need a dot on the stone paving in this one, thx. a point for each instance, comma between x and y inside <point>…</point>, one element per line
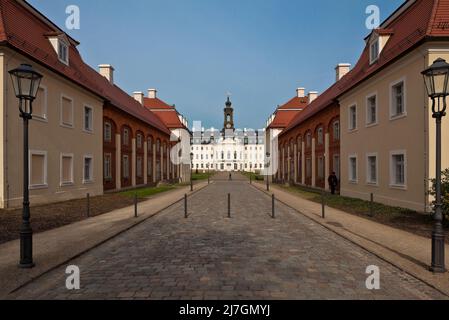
<point>209,256</point>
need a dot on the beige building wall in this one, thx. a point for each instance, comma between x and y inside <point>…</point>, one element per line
<point>406,134</point>
<point>413,134</point>
<point>48,136</point>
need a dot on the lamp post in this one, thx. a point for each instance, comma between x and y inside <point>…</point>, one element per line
<point>191,168</point>
<point>268,166</point>
<point>436,80</point>
<point>26,84</point>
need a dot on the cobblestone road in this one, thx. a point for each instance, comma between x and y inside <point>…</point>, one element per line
<point>209,256</point>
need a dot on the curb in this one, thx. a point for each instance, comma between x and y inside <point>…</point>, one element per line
<point>84,251</point>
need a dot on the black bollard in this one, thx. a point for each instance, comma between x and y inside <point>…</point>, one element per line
<point>323,205</point>
<point>135,205</point>
<point>88,205</point>
<point>185,206</point>
<point>272,206</point>
<point>191,184</point>
<point>229,205</point>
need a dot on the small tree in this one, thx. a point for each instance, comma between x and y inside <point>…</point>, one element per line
<point>444,192</point>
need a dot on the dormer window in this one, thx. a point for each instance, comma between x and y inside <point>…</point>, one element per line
<point>63,52</point>
<point>374,51</point>
<point>60,44</point>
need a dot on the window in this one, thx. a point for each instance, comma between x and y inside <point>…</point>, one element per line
<point>125,136</point>
<point>398,169</point>
<point>88,169</point>
<point>150,166</point>
<point>107,166</point>
<point>371,169</point>
<point>353,117</point>
<point>158,146</point>
<point>139,166</point>
<point>320,136</point>
<point>308,140</point>
<point>63,52</point>
<point>107,132</point>
<point>336,165</point>
<point>88,118</point>
<point>150,145</point>
<point>66,173</point>
<point>336,130</point>
<point>320,167</point>
<point>66,111</point>
<point>38,169</point>
<point>374,51</point>
<point>139,141</point>
<point>308,168</point>
<point>371,110</point>
<point>125,164</point>
<point>397,108</point>
<point>353,169</point>
<point>40,104</point>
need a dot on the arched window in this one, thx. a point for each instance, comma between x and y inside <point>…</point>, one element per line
<point>308,140</point>
<point>107,132</point>
<point>125,136</point>
<point>139,141</point>
<point>320,135</point>
<point>336,130</point>
<point>150,144</point>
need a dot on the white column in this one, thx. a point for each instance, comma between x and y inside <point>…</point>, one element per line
<point>118,162</point>
<point>303,163</point>
<point>295,162</point>
<point>154,162</point>
<point>313,163</point>
<point>145,162</point>
<point>162,163</point>
<point>288,163</point>
<point>134,162</point>
<point>326,160</point>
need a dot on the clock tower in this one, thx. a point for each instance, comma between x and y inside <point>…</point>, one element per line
<point>228,116</point>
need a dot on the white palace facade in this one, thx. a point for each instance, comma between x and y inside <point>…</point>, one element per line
<point>228,149</point>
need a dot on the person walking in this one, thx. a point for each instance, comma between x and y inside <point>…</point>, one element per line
<point>333,182</point>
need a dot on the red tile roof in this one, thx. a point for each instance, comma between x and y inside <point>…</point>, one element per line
<point>410,25</point>
<point>285,113</point>
<point>25,29</point>
<point>166,113</point>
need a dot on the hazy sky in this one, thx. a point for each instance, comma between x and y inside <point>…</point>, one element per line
<point>194,51</point>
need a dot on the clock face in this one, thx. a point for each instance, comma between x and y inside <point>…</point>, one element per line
<point>228,126</point>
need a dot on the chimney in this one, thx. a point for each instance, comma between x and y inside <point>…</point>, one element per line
<point>152,93</point>
<point>107,71</point>
<point>341,69</point>
<point>138,96</point>
<point>301,92</point>
<point>312,96</point>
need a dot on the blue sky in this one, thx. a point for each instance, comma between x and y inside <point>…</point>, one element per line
<point>194,51</point>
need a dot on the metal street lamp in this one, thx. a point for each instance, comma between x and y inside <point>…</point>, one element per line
<point>191,168</point>
<point>26,84</point>
<point>436,80</point>
<point>268,165</point>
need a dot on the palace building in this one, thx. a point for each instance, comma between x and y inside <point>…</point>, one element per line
<point>228,149</point>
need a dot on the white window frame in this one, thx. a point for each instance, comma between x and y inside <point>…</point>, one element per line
<point>368,111</point>
<point>394,116</point>
<point>336,137</point>
<point>350,128</point>
<point>91,180</point>
<point>45,183</point>
<point>61,122</point>
<point>371,58</point>
<point>104,167</point>
<point>368,172</point>
<point>128,174</point>
<point>139,135</point>
<point>104,131</point>
<point>393,183</point>
<point>91,124</point>
<point>71,182</point>
<point>320,136</point>
<point>43,118</point>
<point>60,44</point>
<point>350,179</point>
